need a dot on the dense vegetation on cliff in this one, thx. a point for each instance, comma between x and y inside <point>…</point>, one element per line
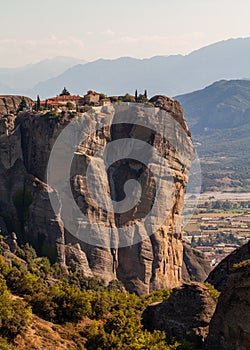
<point>112,316</point>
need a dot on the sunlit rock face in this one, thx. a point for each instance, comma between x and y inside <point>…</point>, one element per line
<point>148,261</point>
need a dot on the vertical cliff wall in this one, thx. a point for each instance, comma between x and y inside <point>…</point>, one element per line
<point>154,261</point>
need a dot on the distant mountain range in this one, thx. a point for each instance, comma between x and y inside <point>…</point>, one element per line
<point>17,80</point>
<point>219,118</point>
<point>168,75</point>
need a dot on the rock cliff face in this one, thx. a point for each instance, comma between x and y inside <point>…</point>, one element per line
<point>230,326</point>
<point>219,276</point>
<point>8,109</point>
<point>185,315</point>
<point>196,266</point>
<point>156,261</point>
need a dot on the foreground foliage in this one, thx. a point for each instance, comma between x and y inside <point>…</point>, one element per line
<point>114,315</point>
<point>14,314</point>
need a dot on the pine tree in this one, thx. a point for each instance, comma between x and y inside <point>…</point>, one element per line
<point>65,92</point>
<point>136,96</point>
<point>145,94</point>
<point>22,105</point>
<point>38,103</point>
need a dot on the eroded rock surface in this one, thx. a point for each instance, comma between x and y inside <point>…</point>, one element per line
<point>219,276</point>
<point>8,109</point>
<point>230,326</point>
<point>185,315</point>
<point>154,262</point>
<point>196,266</point>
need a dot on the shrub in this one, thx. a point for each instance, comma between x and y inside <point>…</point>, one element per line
<point>21,282</point>
<point>78,278</point>
<point>26,252</point>
<point>16,321</point>
<point>51,115</point>
<point>128,98</point>
<point>4,267</point>
<point>158,295</point>
<point>4,345</point>
<point>73,304</point>
<point>102,96</point>
<point>212,291</point>
<point>242,266</point>
<point>14,314</point>
<point>116,286</point>
<point>40,267</point>
<point>70,105</point>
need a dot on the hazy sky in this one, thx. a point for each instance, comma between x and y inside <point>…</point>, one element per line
<point>32,30</point>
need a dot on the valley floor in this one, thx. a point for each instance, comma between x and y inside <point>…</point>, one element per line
<point>220,224</point>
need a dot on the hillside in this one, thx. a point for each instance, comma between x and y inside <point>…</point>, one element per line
<point>43,308</point>
<point>222,105</point>
<point>219,119</point>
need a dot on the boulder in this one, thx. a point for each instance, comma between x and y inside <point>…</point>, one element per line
<point>185,315</point>
<point>230,326</point>
<point>196,267</point>
<point>219,275</point>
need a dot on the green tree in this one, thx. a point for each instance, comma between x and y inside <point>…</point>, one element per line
<point>65,92</point>
<point>142,98</point>
<point>14,314</point>
<point>22,105</point>
<point>212,291</point>
<point>70,105</point>
<point>38,103</point>
<point>128,98</point>
<point>102,96</point>
<point>136,95</point>
<point>27,253</point>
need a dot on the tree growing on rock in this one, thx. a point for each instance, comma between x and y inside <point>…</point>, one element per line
<point>136,95</point>
<point>22,105</point>
<point>65,92</point>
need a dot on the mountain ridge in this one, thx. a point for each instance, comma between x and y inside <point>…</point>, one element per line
<point>21,78</point>
<point>219,119</point>
<point>171,75</point>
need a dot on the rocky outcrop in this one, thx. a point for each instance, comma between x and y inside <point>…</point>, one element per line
<point>75,254</point>
<point>230,326</point>
<point>9,104</point>
<point>8,109</point>
<point>219,276</point>
<point>171,106</point>
<point>24,203</point>
<point>185,315</point>
<point>196,267</point>
<point>152,262</point>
